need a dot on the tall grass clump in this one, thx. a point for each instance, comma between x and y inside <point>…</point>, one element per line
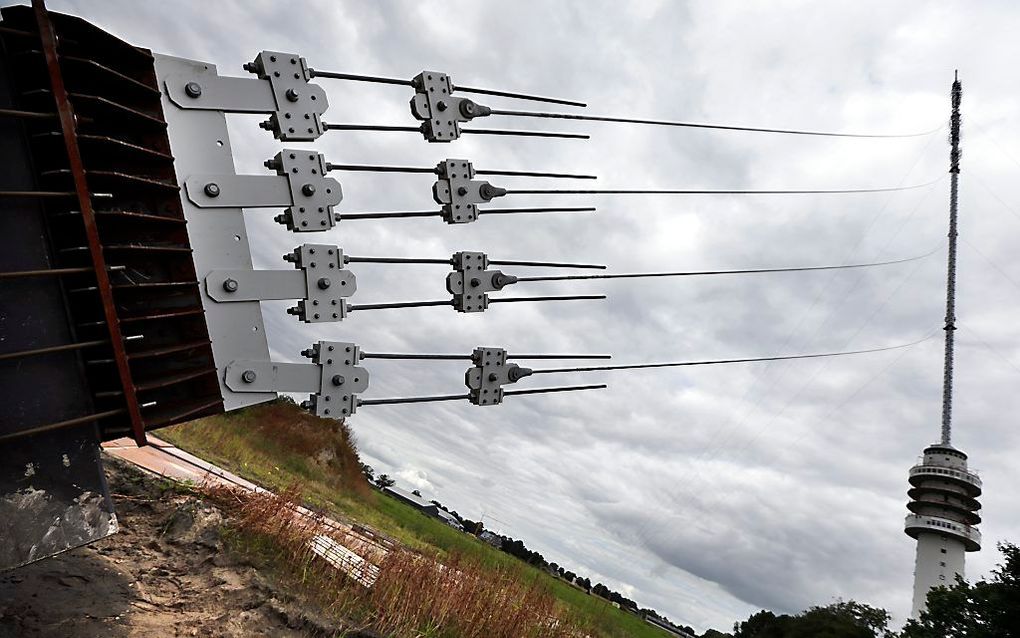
<point>413,596</point>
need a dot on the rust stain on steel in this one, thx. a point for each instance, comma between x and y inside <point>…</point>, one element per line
<point>67,123</point>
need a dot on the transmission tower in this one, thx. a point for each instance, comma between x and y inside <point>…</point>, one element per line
<point>943,491</point>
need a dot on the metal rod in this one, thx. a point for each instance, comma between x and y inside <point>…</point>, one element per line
<point>28,115</point>
<point>755,129</point>
<point>412,357</point>
<point>534,174</point>
<point>51,272</point>
<point>543,264</point>
<point>394,401</point>
<point>696,273</point>
<point>568,388</point>
<point>489,131</point>
<point>950,326</point>
<point>468,357</point>
<point>716,192</point>
<point>389,215</point>
<point>395,260</point>
<point>508,211</point>
<point>519,96</point>
<point>399,304</point>
<point>379,168</point>
<point>494,262</point>
<point>51,349</point>
<point>550,298</point>
<point>61,424</point>
<point>370,127</point>
<point>679,364</point>
<point>559,356</point>
<point>376,79</point>
<point>37,194</point>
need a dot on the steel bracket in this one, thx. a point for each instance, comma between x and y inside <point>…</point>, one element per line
<point>282,89</point>
<point>320,283</point>
<point>459,193</point>
<point>440,112</point>
<point>470,282</point>
<point>485,380</point>
<point>333,379</point>
<point>200,144</point>
<point>300,185</point>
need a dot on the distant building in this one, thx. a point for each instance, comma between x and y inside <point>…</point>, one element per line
<point>491,539</point>
<point>423,506</point>
<point>668,626</point>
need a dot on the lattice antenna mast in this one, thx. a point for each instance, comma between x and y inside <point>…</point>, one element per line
<point>950,327</point>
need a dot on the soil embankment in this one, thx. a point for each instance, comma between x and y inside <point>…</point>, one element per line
<point>166,572</point>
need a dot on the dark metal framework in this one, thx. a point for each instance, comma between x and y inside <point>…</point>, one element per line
<point>113,249</point>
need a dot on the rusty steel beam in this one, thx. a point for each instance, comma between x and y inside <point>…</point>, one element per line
<point>27,115</point>
<point>50,272</point>
<point>21,354</point>
<point>49,427</point>
<point>69,127</point>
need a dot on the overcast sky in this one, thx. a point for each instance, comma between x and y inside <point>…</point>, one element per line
<point>706,493</point>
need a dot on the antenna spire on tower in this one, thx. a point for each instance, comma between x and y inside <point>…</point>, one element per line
<point>950,327</point>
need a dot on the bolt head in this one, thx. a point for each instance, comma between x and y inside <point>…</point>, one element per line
<point>324,283</point>
<point>338,379</point>
<point>462,191</point>
<point>441,105</point>
<point>230,285</point>
<point>248,376</point>
<point>475,282</point>
<point>193,89</point>
<point>493,376</point>
<point>292,95</point>
<point>308,190</point>
<point>212,189</point>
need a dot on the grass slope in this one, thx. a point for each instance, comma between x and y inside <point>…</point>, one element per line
<point>278,445</point>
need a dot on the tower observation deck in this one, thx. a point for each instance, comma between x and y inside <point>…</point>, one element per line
<point>943,512</point>
<point>943,491</point>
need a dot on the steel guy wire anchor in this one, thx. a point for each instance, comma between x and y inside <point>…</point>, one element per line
<point>491,370</point>
<point>440,112</point>
<point>456,190</point>
<point>282,90</point>
<point>470,282</point>
<point>333,378</point>
<point>459,194</point>
<point>300,186</point>
<point>320,283</point>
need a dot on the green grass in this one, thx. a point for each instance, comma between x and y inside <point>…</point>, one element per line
<point>277,447</point>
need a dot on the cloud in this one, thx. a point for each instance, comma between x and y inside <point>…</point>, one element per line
<point>705,492</point>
